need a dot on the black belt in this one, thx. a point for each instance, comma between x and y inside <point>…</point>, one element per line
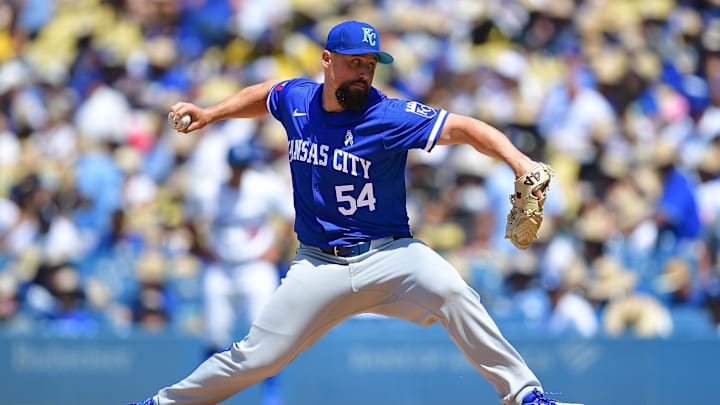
<point>356,249</point>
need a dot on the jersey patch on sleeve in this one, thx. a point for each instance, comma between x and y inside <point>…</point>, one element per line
<point>280,86</point>
<point>420,109</point>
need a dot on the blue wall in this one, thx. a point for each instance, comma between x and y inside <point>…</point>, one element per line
<point>363,362</point>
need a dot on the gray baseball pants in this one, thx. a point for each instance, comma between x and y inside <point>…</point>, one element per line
<point>401,278</point>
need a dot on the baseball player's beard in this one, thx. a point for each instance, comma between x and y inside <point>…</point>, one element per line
<point>353,98</point>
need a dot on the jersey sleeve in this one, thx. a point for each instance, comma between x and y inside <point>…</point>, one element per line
<point>412,125</point>
<point>283,97</point>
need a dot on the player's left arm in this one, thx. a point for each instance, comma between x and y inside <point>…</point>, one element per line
<point>486,139</point>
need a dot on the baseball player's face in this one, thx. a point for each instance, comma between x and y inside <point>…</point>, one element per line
<point>351,77</point>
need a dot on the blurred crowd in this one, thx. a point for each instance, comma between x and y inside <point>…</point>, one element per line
<point>104,209</point>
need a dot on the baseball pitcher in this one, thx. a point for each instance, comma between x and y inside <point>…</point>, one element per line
<point>347,148</point>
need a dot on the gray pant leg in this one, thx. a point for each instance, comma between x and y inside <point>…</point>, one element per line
<point>314,297</point>
<point>428,289</point>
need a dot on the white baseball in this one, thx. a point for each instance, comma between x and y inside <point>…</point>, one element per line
<point>181,123</point>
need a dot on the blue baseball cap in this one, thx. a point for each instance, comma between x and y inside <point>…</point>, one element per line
<point>356,38</point>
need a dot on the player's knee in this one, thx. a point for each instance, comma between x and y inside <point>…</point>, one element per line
<point>265,364</point>
<point>460,296</point>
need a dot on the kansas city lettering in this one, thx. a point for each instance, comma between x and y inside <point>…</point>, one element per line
<point>318,155</point>
<point>305,151</point>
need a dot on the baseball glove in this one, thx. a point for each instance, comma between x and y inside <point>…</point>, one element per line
<point>526,214</point>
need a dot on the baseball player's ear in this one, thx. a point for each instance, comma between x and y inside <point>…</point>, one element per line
<point>326,56</point>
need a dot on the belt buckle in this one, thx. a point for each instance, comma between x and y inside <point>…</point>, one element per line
<point>336,250</point>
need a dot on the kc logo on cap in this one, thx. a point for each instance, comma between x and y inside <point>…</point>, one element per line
<point>370,36</point>
<point>356,38</point>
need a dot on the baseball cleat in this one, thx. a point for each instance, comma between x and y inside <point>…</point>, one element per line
<point>537,397</point>
<point>148,401</point>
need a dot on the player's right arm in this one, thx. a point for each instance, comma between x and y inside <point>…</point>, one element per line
<point>247,103</point>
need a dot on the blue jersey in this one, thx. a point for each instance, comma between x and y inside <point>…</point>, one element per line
<point>348,168</point>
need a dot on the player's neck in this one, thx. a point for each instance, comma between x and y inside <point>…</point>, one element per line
<point>329,101</point>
